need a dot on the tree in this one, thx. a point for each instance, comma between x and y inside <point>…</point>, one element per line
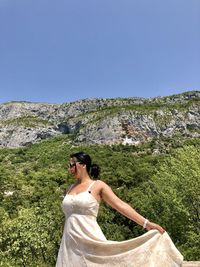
<point>175,198</point>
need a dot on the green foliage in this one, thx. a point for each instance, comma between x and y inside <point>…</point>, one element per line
<point>30,237</point>
<point>174,198</point>
<point>26,121</point>
<point>162,187</point>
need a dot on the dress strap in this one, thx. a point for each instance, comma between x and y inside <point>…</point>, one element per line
<point>70,188</point>
<point>90,185</point>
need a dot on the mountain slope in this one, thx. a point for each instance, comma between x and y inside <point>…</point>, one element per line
<point>101,121</point>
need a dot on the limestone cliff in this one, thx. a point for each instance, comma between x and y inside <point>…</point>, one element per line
<point>101,121</point>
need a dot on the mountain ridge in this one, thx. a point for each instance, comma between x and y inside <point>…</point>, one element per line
<point>104,98</point>
<point>101,120</point>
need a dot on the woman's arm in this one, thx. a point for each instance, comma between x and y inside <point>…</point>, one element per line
<point>110,198</point>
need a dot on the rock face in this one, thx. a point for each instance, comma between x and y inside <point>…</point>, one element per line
<point>101,121</point>
<point>14,136</point>
<point>117,128</point>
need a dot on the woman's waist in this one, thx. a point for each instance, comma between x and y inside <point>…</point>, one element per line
<point>78,213</point>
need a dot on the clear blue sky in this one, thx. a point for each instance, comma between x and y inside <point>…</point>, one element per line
<point>61,51</point>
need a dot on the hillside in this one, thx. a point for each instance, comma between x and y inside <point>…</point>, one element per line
<point>158,173</point>
<point>101,121</point>
<point>162,187</point>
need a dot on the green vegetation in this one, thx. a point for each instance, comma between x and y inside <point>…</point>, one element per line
<point>163,187</point>
<point>26,121</point>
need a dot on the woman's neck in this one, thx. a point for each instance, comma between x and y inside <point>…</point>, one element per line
<point>84,179</point>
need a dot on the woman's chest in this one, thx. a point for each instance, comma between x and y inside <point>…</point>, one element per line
<point>82,203</point>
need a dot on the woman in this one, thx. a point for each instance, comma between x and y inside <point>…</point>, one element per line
<point>83,243</point>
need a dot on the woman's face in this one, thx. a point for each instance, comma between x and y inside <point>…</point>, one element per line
<point>75,168</point>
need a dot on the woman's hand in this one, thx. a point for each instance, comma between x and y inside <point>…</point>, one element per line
<point>151,226</point>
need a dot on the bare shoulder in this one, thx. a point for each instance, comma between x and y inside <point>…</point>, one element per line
<point>107,194</point>
<point>102,187</point>
<point>101,184</point>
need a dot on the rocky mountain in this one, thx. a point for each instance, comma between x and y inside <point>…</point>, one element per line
<point>101,121</point>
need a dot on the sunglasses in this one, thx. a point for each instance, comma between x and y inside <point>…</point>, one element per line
<point>71,165</point>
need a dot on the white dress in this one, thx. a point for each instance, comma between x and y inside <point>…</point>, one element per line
<point>83,243</point>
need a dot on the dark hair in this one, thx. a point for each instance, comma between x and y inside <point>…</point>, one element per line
<point>92,169</point>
